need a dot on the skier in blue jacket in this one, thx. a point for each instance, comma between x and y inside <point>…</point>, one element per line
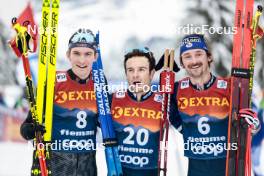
<point>200,108</point>
<point>75,112</point>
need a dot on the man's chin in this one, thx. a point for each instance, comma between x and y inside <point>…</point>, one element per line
<point>142,90</point>
<point>82,74</point>
<point>197,74</point>
<point>135,89</point>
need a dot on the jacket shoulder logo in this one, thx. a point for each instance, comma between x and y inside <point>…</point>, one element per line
<point>185,84</point>
<point>120,94</point>
<point>221,84</point>
<point>61,77</point>
<point>158,98</point>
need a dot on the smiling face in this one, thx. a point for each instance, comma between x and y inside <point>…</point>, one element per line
<point>138,73</point>
<point>81,59</point>
<point>196,63</point>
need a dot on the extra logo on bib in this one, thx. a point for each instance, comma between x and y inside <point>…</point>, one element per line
<point>61,77</point>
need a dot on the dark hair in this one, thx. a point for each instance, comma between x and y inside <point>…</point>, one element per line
<point>141,52</point>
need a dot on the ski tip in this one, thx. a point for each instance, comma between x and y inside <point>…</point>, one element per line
<point>97,37</point>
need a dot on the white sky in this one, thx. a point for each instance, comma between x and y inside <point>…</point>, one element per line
<point>141,18</point>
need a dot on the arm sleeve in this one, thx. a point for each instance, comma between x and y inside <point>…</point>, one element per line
<point>174,117</point>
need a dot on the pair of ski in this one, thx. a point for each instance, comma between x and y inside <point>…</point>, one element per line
<point>105,117</point>
<point>41,107</point>
<point>167,78</point>
<point>238,161</point>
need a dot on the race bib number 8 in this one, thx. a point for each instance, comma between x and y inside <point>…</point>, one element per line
<point>142,136</point>
<point>81,119</point>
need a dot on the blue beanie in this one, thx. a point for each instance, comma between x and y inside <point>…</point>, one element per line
<point>193,41</point>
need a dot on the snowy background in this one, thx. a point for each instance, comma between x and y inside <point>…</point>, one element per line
<point>123,24</point>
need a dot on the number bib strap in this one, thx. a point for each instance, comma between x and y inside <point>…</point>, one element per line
<point>204,119</point>
<point>204,137</point>
<point>137,125</point>
<point>75,130</point>
<point>138,147</point>
<point>74,115</point>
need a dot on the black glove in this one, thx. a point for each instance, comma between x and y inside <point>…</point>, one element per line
<point>28,130</point>
<point>160,64</point>
<point>39,128</point>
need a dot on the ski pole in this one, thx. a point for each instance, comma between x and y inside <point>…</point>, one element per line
<point>22,39</point>
<point>167,77</point>
<point>255,37</point>
<point>255,27</point>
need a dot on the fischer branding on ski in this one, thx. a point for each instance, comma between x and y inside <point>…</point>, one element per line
<point>51,68</point>
<point>47,65</point>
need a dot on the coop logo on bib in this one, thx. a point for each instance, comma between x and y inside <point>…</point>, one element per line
<point>135,160</point>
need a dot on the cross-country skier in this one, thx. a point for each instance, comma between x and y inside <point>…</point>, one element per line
<point>136,114</point>
<point>75,113</point>
<point>200,108</point>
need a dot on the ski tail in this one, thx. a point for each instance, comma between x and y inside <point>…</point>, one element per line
<point>167,78</point>
<point>105,117</point>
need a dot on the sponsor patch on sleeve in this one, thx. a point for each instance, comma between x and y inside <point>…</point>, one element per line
<point>120,94</point>
<point>158,98</point>
<point>61,77</point>
<point>221,84</point>
<point>185,84</point>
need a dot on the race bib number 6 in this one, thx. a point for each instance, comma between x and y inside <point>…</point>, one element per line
<point>203,126</point>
